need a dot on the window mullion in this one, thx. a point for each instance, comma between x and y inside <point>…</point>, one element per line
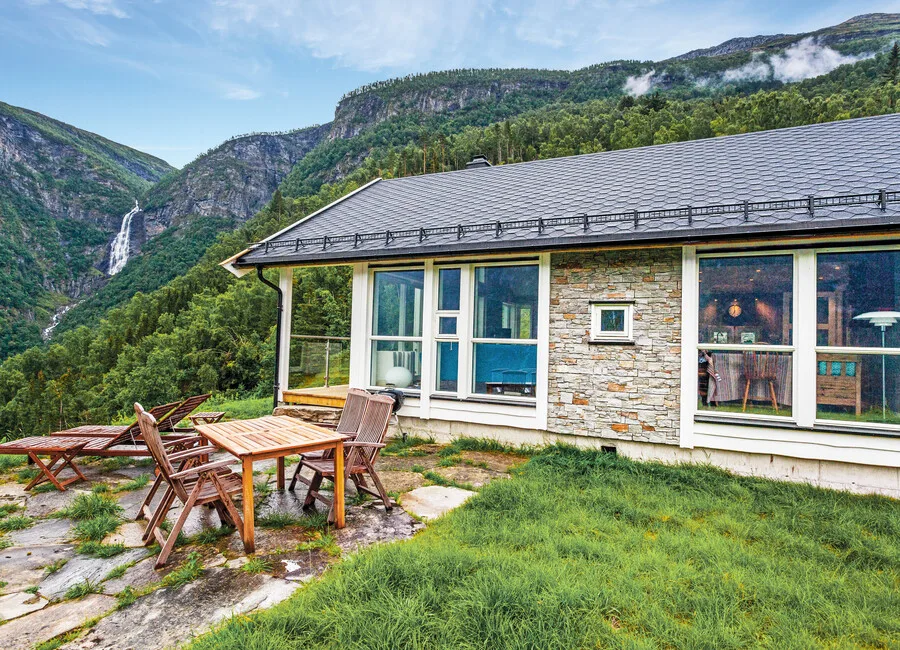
<point>464,331</point>
<point>804,337</point>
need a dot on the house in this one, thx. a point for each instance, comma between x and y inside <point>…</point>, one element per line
<point>733,300</point>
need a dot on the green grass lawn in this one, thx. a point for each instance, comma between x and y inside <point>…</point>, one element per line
<point>239,408</point>
<point>586,550</point>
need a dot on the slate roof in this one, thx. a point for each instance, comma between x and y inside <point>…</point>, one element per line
<point>541,205</point>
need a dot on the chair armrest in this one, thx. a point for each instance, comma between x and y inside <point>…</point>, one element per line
<point>354,443</point>
<point>184,429</point>
<point>203,450</point>
<point>185,440</point>
<point>201,469</point>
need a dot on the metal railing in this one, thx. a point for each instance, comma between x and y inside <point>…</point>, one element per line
<point>317,360</point>
<point>692,216</point>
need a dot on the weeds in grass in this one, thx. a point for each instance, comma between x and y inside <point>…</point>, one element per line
<point>9,508</point>
<point>315,519</point>
<point>321,542</point>
<point>83,589</point>
<point>401,447</point>
<point>25,475</point>
<point>417,468</point>
<point>54,567</point>
<point>449,461</point>
<point>257,565</point>
<point>5,543</point>
<point>190,570</point>
<point>359,498</point>
<point>43,488</point>
<point>15,522</point>
<point>94,530</point>
<point>482,444</point>
<point>96,549</point>
<point>262,489</point>
<point>126,597</point>
<point>3,583</point>
<point>89,506</point>
<point>10,462</point>
<point>437,479</point>
<point>211,535</point>
<point>100,488</point>
<point>134,484</point>
<point>116,463</point>
<point>277,520</point>
<point>59,641</point>
<point>32,590</point>
<point>117,572</point>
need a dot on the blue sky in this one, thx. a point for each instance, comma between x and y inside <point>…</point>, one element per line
<point>176,77</point>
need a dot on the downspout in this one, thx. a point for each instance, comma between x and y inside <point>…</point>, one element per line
<point>259,274</point>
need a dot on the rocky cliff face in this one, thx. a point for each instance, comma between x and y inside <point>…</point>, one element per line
<point>367,109</point>
<point>233,180</point>
<point>63,192</point>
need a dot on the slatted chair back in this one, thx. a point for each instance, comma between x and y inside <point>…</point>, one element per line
<point>353,411</point>
<point>150,434</point>
<point>129,435</point>
<point>760,366</point>
<point>181,411</point>
<point>374,424</point>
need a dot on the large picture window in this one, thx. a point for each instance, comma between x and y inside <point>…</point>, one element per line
<point>745,352</point>
<point>504,341</point>
<point>396,338</point>
<point>858,336</point>
<point>477,339</point>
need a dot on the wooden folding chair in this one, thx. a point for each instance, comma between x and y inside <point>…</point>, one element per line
<point>351,416</point>
<point>204,484</point>
<point>360,455</point>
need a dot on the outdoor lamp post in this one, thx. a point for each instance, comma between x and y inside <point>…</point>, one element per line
<point>882,319</point>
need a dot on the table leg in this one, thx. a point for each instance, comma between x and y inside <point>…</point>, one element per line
<point>279,473</point>
<point>339,484</point>
<point>247,476</point>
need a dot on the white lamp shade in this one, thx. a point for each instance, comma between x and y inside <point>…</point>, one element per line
<point>880,318</point>
<point>398,376</point>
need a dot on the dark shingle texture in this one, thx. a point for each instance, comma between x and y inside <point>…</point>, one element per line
<point>836,158</point>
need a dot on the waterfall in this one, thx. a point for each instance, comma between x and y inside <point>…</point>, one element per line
<point>118,252</point>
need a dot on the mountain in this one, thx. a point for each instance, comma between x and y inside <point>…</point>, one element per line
<point>181,211</point>
<point>63,194</point>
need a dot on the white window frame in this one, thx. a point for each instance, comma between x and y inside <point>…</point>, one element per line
<point>447,313</point>
<point>371,338</point>
<point>804,415</point>
<point>598,335</point>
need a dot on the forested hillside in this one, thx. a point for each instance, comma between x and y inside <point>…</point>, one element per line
<point>207,331</point>
<point>63,192</point>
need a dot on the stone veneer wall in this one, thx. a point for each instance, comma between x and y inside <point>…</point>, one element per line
<point>616,391</point>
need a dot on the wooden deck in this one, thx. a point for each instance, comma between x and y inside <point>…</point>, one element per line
<point>334,396</point>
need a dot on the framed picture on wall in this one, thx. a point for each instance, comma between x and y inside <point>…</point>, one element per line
<point>748,338</point>
<point>720,337</point>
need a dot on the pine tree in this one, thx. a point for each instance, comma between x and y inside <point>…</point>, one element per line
<point>892,70</point>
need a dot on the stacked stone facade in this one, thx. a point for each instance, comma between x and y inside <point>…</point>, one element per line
<point>616,391</point>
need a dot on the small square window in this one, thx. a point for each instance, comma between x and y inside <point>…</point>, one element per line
<point>611,322</point>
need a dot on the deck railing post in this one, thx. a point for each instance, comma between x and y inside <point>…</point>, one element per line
<point>327,361</point>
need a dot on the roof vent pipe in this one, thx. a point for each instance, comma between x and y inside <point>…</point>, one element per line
<point>478,161</point>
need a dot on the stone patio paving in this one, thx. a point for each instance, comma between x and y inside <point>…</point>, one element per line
<point>125,603</point>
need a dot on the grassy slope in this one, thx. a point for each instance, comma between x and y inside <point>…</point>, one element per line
<point>585,550</point>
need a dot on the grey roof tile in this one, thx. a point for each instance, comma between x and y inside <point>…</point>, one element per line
<point>836,158</point>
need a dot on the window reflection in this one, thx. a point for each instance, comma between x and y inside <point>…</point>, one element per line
<point>746,300</point>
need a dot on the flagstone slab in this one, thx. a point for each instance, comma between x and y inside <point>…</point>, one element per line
<point>19,604</point>
<point>12,493</point>
<point>81,568</point>
<point>43,533</point>
<point>49,622</point>
<point>137,577</point>
<point>129,535</point>
<point>22,567</point>
<point>46,503</point>
<point>372,524</point>
<point>170,617</point>
<point>433,501</point>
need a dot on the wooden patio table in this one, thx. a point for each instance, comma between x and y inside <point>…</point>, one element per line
<point>274,436</point>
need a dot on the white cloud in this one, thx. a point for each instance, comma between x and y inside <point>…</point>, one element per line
<point>240,93</point>
<point>804,59</point>
<point>755,70</point>
<point>808,59</point>
<point>640,85</point>
<point>99,7</point>
<point>364,35</point>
